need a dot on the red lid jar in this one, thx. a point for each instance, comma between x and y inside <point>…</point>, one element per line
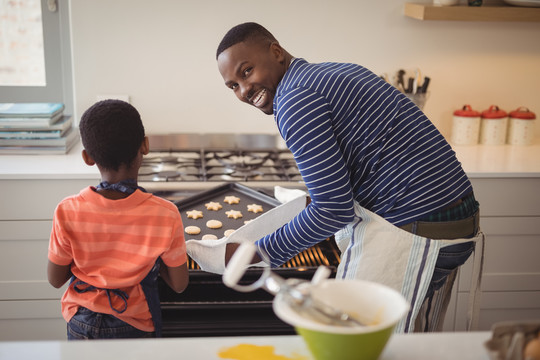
<point>466,111</point>
<point>521,128</point>
<point>465,126</point>
<point>493,127</point>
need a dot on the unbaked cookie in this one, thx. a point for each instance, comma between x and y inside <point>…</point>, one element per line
<point>192,230</point>
<point>229,232</point>
<point>209,237</point>
<point>231,199</point>
<point>254,208</point>
<point>194,214</point>
<point>212,205</point>
<point>235,214</point>
<point>214,224</point>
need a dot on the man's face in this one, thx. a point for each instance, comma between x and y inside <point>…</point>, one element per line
<point>253,71</point>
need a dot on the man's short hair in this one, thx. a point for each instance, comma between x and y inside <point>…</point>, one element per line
<point>244,32</point>
<point>112,133</point>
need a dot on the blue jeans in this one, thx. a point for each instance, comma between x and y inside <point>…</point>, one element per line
<point>87,324</point>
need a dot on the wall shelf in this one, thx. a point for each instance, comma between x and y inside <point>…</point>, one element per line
<point>472,13</point>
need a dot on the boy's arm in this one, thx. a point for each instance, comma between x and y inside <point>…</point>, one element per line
<point>58,274</point>
<point>176,277</point>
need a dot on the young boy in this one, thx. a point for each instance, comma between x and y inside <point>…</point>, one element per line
<point>113,238</point>
<point>381,177</point>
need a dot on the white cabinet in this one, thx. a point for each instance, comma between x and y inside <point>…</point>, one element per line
<point>29,305</point>
<point>510,218</point>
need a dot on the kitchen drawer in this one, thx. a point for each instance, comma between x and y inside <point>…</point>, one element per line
<point>511,260</point>
<point>36,199</point>
<point>507,196</point>
<point>499,306</point>
<point>31,320</point>
<point>23,261</point>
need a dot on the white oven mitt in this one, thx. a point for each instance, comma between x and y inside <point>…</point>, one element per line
<point>210,254</point>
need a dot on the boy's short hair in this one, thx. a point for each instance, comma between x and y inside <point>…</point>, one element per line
<point>244,32</point>
<point>112,133</point>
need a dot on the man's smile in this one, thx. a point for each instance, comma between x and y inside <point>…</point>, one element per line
<point>259,99</point>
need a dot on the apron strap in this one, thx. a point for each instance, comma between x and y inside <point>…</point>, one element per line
<point>119,293</point>
<point>473,311</point>
<point>150,288</point>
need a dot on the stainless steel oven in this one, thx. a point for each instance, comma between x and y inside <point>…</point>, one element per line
<point>183,166</point>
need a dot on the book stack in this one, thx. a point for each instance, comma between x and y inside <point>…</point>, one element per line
<point>36,128</point>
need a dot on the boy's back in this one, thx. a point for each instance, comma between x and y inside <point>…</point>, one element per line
<point>114,244</point>
<point>112,240</point>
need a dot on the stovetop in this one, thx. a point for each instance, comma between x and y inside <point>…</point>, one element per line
<point>224,165</point>
<point>181,160</point>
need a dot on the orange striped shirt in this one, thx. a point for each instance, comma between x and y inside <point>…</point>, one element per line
<point>113,244</point>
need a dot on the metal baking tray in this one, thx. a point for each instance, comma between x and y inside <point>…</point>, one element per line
<point>197,202</point>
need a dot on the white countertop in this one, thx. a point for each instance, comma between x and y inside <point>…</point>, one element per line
<point>425,346</point>
<point>478,161</point>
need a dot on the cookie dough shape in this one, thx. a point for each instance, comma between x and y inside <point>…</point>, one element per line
<point>212,205</point>
<point>214,224</point>
<point>194,214</point>
<point>235,214</point>
<point>254,208</point>
<point>209,237</point>
<point>229,232</point>
<point>231,199</point>
<point>192,230</point>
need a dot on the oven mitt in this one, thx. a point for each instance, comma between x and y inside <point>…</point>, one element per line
<point>210,254</point>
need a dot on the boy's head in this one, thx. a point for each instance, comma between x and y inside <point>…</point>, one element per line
<point>252,63</point>
<point>112,133</point>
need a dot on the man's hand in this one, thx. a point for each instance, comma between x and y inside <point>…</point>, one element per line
<point>230,250</point>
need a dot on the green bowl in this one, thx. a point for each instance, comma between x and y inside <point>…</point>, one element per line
<point>376,305</point>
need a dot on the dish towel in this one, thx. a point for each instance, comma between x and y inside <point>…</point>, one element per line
<point>210,254</point>
<point>375,250</point>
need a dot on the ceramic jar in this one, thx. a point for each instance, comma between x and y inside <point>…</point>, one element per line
<point>465,126</point>
<point>493,126</point>
<point>521,127</point>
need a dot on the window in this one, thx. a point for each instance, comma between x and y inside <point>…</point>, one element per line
<point>46,75</point>
<point>22,61</point>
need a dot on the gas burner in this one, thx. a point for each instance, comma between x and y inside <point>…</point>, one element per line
<point>219,165</point>
<point>189,158</point>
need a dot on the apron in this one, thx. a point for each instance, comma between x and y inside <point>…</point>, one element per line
<point>373,249</point>
<point>149,286</point>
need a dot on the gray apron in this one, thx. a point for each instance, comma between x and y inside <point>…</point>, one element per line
<point>374,249</point>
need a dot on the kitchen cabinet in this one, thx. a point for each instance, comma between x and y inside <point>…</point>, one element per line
<point>422,11</point>
<point>506,180</point>
<point>29,305</point>
<point>510,219</point>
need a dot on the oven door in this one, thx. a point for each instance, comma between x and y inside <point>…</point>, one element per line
<point>209,308</point>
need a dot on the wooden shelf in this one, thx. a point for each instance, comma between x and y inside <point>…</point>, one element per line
<point>472,13</point>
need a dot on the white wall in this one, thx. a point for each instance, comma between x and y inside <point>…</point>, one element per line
<point>162,54</point>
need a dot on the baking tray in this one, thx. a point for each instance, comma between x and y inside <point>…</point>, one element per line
<point>247,196</point>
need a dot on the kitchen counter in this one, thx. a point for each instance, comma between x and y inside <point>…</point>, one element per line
<point>460,345</point>
<point>478,161</point>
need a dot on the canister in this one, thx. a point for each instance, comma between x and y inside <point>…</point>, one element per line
<point>465,126</point>
<point>521,127</point>
<point>493,126</point>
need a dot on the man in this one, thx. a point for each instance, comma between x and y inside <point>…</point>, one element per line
<point>380,175</point>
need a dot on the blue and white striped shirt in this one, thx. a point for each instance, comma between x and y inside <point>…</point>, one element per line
<point>356,137</point>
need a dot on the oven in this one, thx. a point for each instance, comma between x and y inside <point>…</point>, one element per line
<point>181,167</point>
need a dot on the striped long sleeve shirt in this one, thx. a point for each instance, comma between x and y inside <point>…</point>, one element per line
<point>356,138</point>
